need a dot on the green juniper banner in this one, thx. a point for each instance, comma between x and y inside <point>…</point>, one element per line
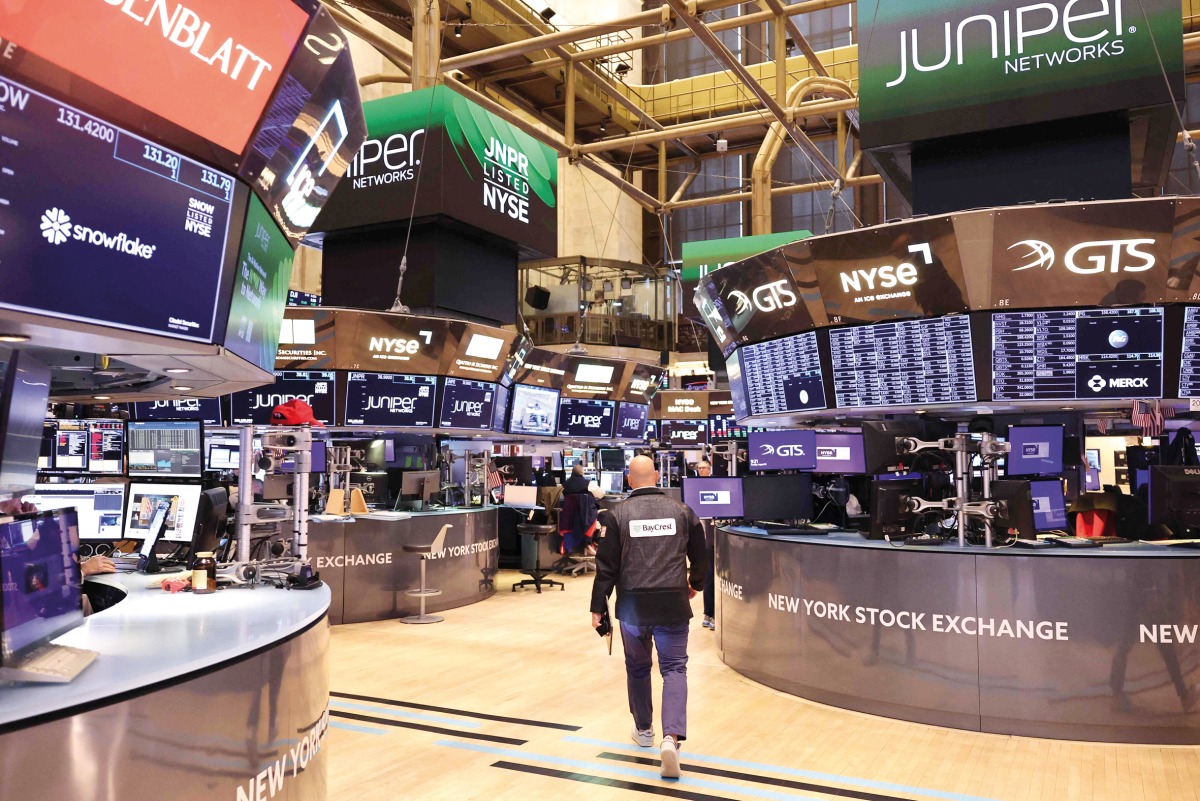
<point>932,68</point>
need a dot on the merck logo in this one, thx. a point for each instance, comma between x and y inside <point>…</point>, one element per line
<point>1097,383</point>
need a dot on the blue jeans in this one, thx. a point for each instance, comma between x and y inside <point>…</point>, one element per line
<point>671,642</point>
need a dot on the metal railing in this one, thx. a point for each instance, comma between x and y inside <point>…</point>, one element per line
<point>601,329</point>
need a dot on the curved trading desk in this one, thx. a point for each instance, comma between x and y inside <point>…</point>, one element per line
<point>192,697</point>
<point>363,561</point>
<point>1101,644</point>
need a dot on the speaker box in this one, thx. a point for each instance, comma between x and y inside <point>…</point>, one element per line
<point>538,297</point>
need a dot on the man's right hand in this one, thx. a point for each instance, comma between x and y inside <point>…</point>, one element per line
<point>596,617</point>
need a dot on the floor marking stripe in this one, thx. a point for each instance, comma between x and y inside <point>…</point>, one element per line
<point>337,724</point>
<point>670,792</point>
<point>400,724</point>
<point>408,715</point>
<point>692,756</point>
<point>460,712</point>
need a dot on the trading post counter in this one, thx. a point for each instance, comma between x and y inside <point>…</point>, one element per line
<point>364,562</point>
<point>192,697</point>
<point>1098,644</point>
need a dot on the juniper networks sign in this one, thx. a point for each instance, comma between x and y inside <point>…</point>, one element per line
<point>459,160</point>
<point>939,67</point>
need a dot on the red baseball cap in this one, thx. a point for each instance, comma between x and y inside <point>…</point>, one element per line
<point>294,413</point>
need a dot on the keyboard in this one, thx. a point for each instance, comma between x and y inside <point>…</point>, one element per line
<point>1078,542</point>
<point>56,664</point>
<point>1108,540</point>
<point>792,530</point>
<point>1049,542</point>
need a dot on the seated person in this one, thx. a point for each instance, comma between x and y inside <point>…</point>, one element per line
<point>577,515</point>
<point>578,483</point>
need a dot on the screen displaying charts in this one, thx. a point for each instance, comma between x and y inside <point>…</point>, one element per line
<point>783,375</point>
<point>534,410</point>
<point>467,403</point>
<point>631,420</point>
<point>579,417</point>
<point>902,363</point>
<point>165,448</point>
<point>380,399</point>
<point>1077,354</point>
<point>93,446</point>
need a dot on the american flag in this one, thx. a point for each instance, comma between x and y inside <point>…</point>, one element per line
<point>1148,416</point>
<point>493,477</point>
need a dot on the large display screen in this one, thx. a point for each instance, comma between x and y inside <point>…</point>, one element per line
<point>168,448</point>
<point>1189,365</point>
<point>206,410</point>
<point>589,419</point>
<point>934,68</point>
<point>316,388</point>
<point>789,449</point>
<point>534,410</point>
<point>260,289</point>
<point>714,497</point>
<point>686,434</point>
<point>467,404</point>
<point>677,405</point>
<point>758,300</point>
<point>631,420</point>
<point>380,399</point>
<point>907,362</point>
<point>840,453</point>
<point>1090,354</point>
<point>127,234</point>
<point>783,375</point>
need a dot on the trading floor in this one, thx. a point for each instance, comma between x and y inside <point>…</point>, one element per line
<point>516,698</point>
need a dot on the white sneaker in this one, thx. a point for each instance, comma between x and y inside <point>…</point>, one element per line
<point>669,753</point>
<point>709,623</point>
<point>643,738</point>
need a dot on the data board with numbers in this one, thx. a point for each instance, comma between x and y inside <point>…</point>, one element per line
<point>1077,354</point>
<point>783,375</point>
<point>1189,366</point>
<point>912,362</point>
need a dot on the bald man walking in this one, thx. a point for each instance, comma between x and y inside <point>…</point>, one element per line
<point>652,551</point>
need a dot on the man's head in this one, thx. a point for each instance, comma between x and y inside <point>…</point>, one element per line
<point>642,472</point>
<point>577,470</point>
<point>703,469</point>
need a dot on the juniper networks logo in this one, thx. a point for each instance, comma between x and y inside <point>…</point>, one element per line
<point>57,228</point>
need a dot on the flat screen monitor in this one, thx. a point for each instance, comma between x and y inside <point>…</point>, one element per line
<point>317,388</point>
<point>1049,504</point>
<point>182,500</point>
<point>260,288</point>
<point>890,515</point>
<point>879,444</point>
<point>71,445</point>
<point>777,496</point>
<point>49,434</point>
<point>586,418</point>
<point>840,453</point>
<point>714,497</point>
<point>1091,480</point>
<point>534,410</point>
<point>165,449</point>
<point>223,456</point>
<point>783,375</point>
<point>1035,450</point>
<point>631,420</point>
<point>106,447</point>
<point>611,459</point>
<point>383,399</point>
<point>904,363</point>
<point>1174,499</point>
<point>467,403</point>
<point>612,482</point>
<point>318,457</point>
<point>683,434</point>
<point>41,581</point>
<point>1077,354</point>
<point>22,415</point>
<point>500,409</point>
<point>206,410</point>
<point>1093,458</point>
<point>1018,518</point>
<point>420,484</point>
<point>100,508</point>
<point>783,450</point>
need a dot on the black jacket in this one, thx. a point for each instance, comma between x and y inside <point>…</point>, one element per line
<point>651,550</point>
<point>575,485</point>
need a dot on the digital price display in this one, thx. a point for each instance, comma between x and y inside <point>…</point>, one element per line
<point>128,234</point>
<point>631,420</point>
<point>783,375</point>
<point>316,388</point>
<point>467,404</point>
<point>726,426</point>
<point>590,419</point>
<point>903,363</point>
<point>1189,366</point>
<point>1077,354</point>
<point>380,399</point>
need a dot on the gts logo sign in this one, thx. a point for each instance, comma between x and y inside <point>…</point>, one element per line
<point>766,298</point>
<point>1089,258</point>
<point>783,451</point>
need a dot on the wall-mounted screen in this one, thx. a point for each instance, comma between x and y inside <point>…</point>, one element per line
<point>1189,365</point>
<point>903,363</point>
<point>789,449</point>
<point>206,410</point>
<point>534,410</point>
<point>631,420</point>
<point>260,288</point>
<point>467,404</point>
<point>589,419</point>
<point>683,434</point>
<point>1088,354</point>
<point>165,448</point>
<point>382,399</point>
<point>783,375</point>
<point>150,221</point>
<point>317,388</point>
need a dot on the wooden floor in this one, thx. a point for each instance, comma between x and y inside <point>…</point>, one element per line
<point>528,657</point>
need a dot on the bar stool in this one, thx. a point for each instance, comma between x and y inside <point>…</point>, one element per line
<point>537,574</point>
<point>426,552</point>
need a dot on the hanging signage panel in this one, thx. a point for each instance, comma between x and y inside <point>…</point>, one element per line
<point>306,340</point>
<point>391,343</point>
<point>758,299</point>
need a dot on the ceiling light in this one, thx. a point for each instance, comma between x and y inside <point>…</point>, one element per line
<point>626,283</point>
<point>182,389</point>
<point>608,286</point>
<point>1068,408</point>
<point>458,31</point>
<point>102,397</point>
<point>178,370</point>
<point>13,338</point>
<point>602,125</point>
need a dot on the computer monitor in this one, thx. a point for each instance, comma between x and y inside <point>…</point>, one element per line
<point>1035,450</point>
<point>100,508</point>
<point>223,456</point>
<point>41,596</point>
<point>611,459</point>
<point>46,456</point>
<point>1049,504</point>
<point>1174,499</point>
<point>612,482</point>
<point>71,445</point>
<point>520,496</point>
<point>879,444</point>
<point>165,449</point>
<point>1091,480</point>
<point>781,497</point>
<point>534,410</point>
<point>420,484</point>
<point>716,497</point>
<point>1093,458</point>
<point>556,461</point>
<point>785,449</point>
<point>211,517</point>
<point>106,447</point>
<point>890,515</point>
<point>467,404</point>
<point>841,454</point>
<point>1016,519</point>
<point>183,501</point>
